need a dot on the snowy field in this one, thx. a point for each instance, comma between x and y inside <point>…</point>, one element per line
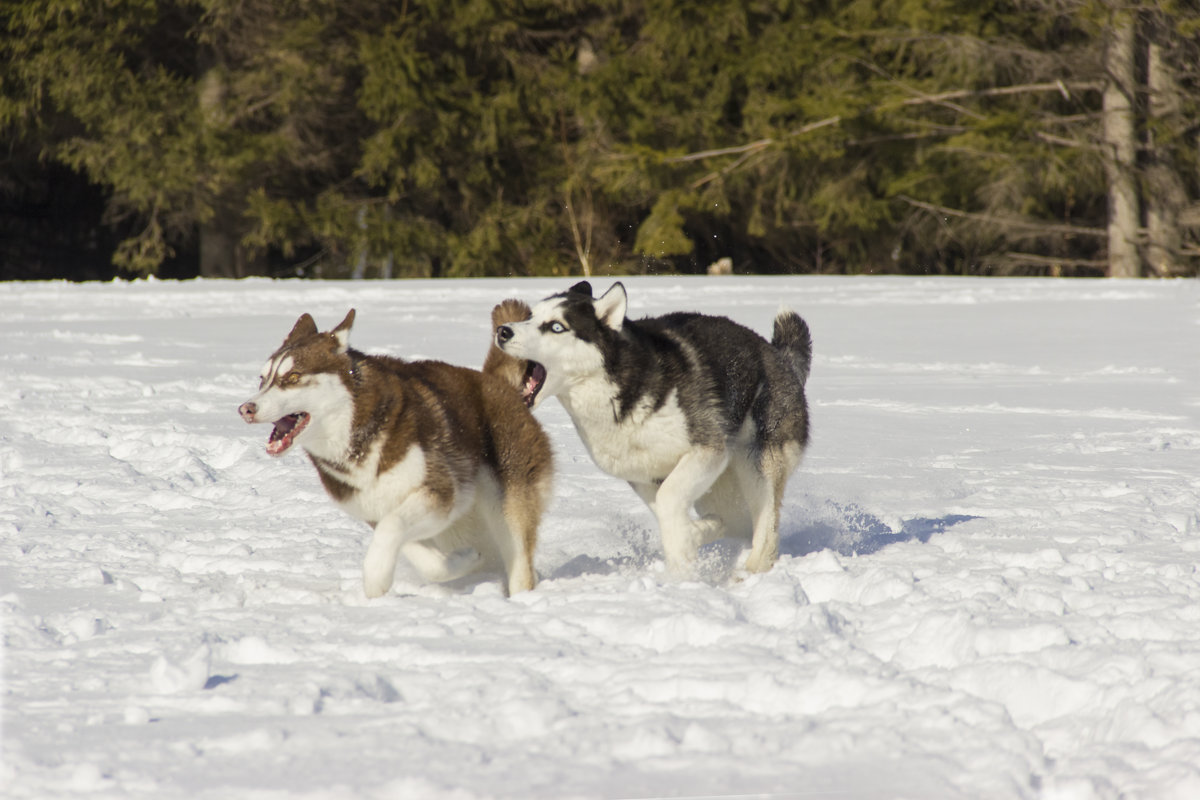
<point>988,586</point>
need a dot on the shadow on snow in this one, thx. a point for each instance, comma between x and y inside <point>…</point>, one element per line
<point>850,530</point>
<point>845,529</point>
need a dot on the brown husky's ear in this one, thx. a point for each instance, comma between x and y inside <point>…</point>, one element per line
<point>342,332</point>
<point>303,327</point>
<point>510,310</point>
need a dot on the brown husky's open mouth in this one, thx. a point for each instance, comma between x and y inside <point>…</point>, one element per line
<point>535,379</point>
<point>285,431</point>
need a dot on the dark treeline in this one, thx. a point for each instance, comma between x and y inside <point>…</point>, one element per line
<point>359,138</point>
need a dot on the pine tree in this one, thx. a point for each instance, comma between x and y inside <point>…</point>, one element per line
<point>348,138</point>
<point>103,87</point>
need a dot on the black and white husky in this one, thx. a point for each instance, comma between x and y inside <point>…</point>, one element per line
<point>696,412</point>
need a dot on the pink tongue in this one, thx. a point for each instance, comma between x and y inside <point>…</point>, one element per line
<point>277,446</point>
<point>536,376</point>
<point>283,433</point>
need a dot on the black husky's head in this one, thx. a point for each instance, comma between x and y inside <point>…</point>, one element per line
<point>566,335</point>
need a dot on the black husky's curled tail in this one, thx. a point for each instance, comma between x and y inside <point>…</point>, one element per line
<point>792,338</point>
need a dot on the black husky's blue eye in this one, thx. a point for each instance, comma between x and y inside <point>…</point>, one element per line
<point>557,327</point>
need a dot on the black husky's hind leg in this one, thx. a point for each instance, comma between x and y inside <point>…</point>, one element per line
<point>726,502</point>
<point>763,485</point>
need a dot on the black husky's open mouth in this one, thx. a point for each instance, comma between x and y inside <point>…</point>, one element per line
<point>285,431</point>
<point>535,379</point>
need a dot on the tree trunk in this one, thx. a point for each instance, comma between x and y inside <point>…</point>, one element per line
<point>219,253</point>
<point>1120,139</point>
<point>1165,193</point>
<point>218,247</point>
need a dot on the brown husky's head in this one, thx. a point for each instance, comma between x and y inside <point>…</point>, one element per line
<point>302,384</point>
<point>525,376</point>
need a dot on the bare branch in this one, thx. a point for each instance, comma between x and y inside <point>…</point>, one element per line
<point>910,136</point>
<point>724,171</point>
<point>753,146</point>
<point>583,247</point>
<point>1050,138</point>
<point>922,97</point>
<point>1053,86</point>
<point>1008,222</point>
<point>940,99</point>
<point>722,151</point>
<point>1055,261</point>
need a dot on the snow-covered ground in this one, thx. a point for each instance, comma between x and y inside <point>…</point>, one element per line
<point>988,586</point>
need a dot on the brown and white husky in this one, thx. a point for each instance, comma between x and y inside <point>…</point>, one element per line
<point>445,463</point>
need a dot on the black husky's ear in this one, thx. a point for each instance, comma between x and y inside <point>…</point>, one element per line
<point>303,327</point>
<point>583,287</point>
<point>342,332</point>
<point>610,308</point>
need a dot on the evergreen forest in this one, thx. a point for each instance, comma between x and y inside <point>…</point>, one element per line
<point>419,138</point>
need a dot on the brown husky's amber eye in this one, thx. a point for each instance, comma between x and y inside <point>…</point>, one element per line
<point>291,379</point>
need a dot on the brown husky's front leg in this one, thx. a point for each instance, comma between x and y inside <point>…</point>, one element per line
<point>419,517</point>
<point>437,566</point>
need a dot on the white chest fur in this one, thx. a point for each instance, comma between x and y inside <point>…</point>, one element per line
<point>642,447</point>
<point>376,494</point>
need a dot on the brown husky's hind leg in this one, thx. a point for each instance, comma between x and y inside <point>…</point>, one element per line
<point>517,532</point>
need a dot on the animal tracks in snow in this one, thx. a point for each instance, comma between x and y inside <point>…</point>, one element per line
<point>988,582</point>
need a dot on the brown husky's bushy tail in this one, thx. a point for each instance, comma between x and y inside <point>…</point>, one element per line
<point>499,363</point>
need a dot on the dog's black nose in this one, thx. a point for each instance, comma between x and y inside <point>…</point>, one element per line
<point>503,334</point>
